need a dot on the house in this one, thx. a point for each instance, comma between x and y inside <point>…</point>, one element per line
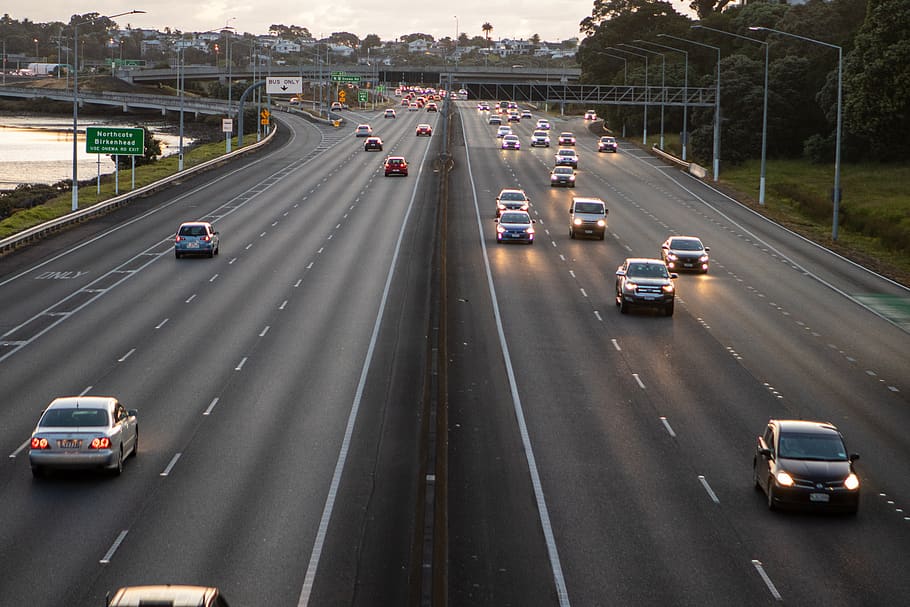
<point>419,46</point>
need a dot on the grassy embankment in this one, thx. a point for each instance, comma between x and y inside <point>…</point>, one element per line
<point>146,174</point>
<point>874,226</point>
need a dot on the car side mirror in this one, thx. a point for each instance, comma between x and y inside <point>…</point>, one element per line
<point>764,452</point>
<point>854,457</point>
<point>133,412</point>
<point>674,275</point>
<point>571,211</point>
<point>620,272</point>
<point>665,247</point>
<point>533,221</point>
<point>496,220</point>
<point>606,211</point>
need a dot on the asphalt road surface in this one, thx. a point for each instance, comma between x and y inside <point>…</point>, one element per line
<point>593,458</point>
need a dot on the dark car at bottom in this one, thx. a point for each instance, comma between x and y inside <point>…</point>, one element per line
<point>805,464</point>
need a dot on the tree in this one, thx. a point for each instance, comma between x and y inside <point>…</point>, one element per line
<point>345,38</point>
<point>370,41</point>
<point>877,77</point>
<point>487,28</point>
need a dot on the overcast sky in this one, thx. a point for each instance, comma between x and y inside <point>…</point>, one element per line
<point>389,19</point>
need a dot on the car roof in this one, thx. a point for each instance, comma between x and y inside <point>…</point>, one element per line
<point>804,426</point>
<point>648,260</point>
<point>566,151</point>
<point>504,190</point>
<point>566,133</point>
<point>172,595</point>
<point>86,402</point>
<point>195,223</point>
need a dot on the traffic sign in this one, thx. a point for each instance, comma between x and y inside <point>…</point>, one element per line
<point>284,85</point>
<point>344,77</point>
<point>114,141</point>
<point>362,96</point>
<point>342,96</point>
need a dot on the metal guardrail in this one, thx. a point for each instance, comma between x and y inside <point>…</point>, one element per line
<point>38,232</point>
<point>199,105</point>
<point>694,169</point>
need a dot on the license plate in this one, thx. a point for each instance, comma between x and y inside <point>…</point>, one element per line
<point>69,443</point>
<point>687,265</point>
<point>819,497</point>
<point>192,245</point>
<point>589,231</point>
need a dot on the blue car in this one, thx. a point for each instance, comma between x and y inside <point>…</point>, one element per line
<point>196,238</point>
<point>515,226</point>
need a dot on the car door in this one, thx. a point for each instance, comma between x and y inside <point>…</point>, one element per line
<point>765,463</point>
<point>127,427</point>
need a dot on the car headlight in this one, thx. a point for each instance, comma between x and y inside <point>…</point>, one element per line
<point>630,286</point>
<point>601,223</point>
<point>703,258</point>
<point>669,288</point>
<point>672,256</point>
<point>554,178</point>
<point>852,482</point>
<point>524,207</point>
<point>501,205</point>
<point>784,479</point>
<point>530,230</point>
<point>500,229</point>
<point>577,221</point>
<point>571,177</point>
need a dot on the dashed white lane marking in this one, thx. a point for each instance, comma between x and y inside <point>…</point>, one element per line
<point>764,576</point>
<point>211,406</point>
<point>641,384</point>
<point>110,553</point>
<point>161,324</point>
<point>239,366</point>
<point>704,483</point>
<point>171,465</point>
<point>666,424</point>
<point>125,356</point>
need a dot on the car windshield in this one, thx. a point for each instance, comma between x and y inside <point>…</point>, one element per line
<point>606,140</point>
<point>540,133</point>
<point>589,207</point>
<point>192,231</point>
<point>648,270</point>
<point>73,418</point>
<point>563,171</point>
<point>685,244</point>
<point>821,447</point>
<point>512,196</point>
<point>515,218</point>
<point>566,153</point>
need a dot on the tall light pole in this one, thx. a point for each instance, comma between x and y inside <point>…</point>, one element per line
<point>716,153</point>
<point>840,92</point>
<point>685,135</point>
<point>764,123</point>
<point>644,139</point>
<point>76,24</point>
<point>625,76</point>
<point>663,80</point>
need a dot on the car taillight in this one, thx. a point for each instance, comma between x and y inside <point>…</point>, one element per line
<point>101,442</point>
<point>206,238</point>
<point>177,238</point>
<point>40,443</point>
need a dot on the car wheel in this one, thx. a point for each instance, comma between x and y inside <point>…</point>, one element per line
<point>668,309</point>
<point>118,469</point>
<point>770,494</point>
<point>755,482</point>
<point>136,445</point>
<point>623,307</point>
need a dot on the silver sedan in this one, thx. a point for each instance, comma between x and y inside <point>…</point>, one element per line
<point>84,432</point>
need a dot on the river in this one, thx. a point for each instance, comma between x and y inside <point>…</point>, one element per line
<point>39,148</point>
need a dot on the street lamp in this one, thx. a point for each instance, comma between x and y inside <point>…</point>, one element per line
<point>685,136</point>
<point>764,124</point>
<point>663,94</point>
<point>75,203</point>
<point>644,139</point>
<point>716,152</point>
<point>837,144</point>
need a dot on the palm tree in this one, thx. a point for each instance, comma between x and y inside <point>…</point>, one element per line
<point>487,28</point>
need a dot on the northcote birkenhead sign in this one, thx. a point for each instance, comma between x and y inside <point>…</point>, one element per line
<point>115,141</point>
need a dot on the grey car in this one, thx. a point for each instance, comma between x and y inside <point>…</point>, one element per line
<point>562,176</point>
<point>84,432</point>
<point>645,282</point>
<point>169,594</point>
<point>685,253</point>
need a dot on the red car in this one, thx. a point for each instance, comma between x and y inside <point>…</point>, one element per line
<point>396,165</point>
<point>424,129</point>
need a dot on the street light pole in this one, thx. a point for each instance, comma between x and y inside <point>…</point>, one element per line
<point>685,135</point>
<point>75,188</point>
<point>764,125</point>
<point>840,92</point>
<point>625,77</point>
<point>663,87</point>
<point>644,139</point>
<point>716,152</point>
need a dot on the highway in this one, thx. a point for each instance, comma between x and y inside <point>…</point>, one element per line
<point>594,458</point>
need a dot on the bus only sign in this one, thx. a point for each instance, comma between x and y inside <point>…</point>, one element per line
<point>114,141</point>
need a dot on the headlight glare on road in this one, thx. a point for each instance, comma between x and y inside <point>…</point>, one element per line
<point>784,479</point>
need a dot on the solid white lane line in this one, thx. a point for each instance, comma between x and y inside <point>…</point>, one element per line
<point>319,543</point>
<point>110,553</point>
<point>667,426</point>
<point>171,465</point>
<point>556,567</point>
<point>20,449</point>
<point>211,406</point>
<point>761,571</point>
<point>704,483</point>
<point>641,384</point>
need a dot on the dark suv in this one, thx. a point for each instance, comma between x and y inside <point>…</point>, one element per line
<point>646,283</point>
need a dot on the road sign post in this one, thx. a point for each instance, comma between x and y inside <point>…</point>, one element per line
<point>284,85</point>
<point>116,142</point>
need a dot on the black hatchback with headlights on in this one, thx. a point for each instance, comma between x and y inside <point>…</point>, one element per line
<point>805,464</point>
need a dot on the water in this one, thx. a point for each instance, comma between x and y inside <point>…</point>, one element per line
<point>39,149</point>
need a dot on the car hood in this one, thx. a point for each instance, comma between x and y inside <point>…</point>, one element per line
<point>649,281</point>
<point>687,253</point>
<point>515,226</point>
<point>816,470</point>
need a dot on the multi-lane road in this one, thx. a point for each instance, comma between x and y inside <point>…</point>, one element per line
<point>593,458</point>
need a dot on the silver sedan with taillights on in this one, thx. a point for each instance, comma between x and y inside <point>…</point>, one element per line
<point>84,433</point>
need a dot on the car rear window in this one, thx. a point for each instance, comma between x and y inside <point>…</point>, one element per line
<point>72,418</point>
<point>192,231</point>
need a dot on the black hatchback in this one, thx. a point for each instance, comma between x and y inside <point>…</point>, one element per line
<point>806,464</point>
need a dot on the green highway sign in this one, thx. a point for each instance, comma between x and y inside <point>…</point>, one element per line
<point>114,140</point>
<point>362,96</point>
<point>343,77</point>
